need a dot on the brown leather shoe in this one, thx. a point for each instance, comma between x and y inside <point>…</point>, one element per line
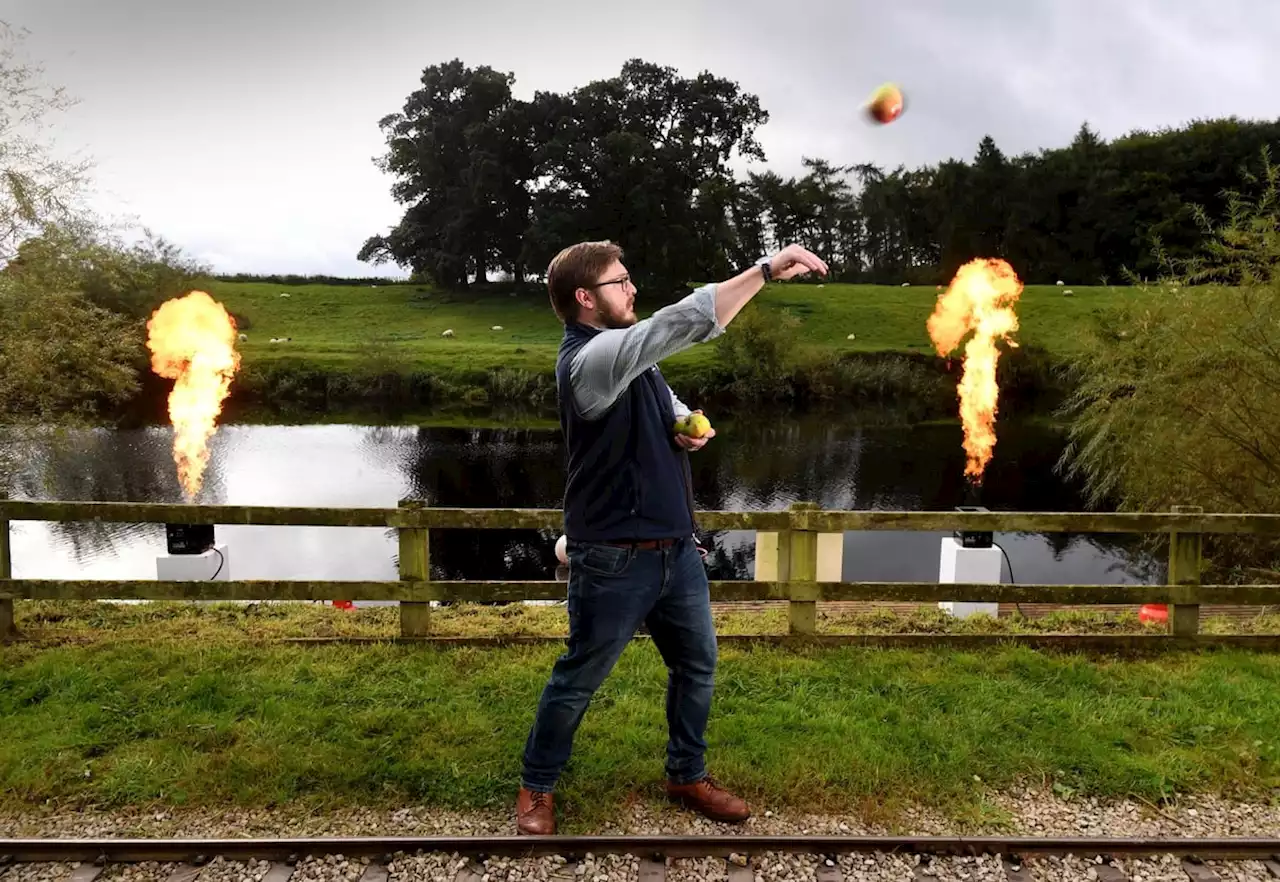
<point>535,813</point>
<point>709,798</point>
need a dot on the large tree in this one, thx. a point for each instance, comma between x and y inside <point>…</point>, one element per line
<point>460,153</point>
<point>493,182</point>
<point>643,159</point>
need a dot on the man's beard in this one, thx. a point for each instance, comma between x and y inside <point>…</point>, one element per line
<point>614,320</point>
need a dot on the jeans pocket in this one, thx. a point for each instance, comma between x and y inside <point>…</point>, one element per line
<point>599,559</point>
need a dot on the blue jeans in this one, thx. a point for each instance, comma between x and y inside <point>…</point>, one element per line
<point>612,590</point>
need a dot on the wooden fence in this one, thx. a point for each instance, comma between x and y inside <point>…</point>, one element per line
<point>794,563</point>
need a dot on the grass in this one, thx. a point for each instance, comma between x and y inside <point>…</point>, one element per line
<point>85,622</point>
<point>342,326</point>
<point>160,706</point>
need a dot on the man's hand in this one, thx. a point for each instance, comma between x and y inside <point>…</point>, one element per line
<point>733,294</point>
<point>689,443</point>
<point>795,261</point>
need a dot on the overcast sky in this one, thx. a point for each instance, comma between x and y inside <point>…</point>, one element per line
<point>244,130</point>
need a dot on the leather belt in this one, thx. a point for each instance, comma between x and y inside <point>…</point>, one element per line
<point>645,544</point>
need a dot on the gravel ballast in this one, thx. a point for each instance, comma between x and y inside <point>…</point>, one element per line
<point>1026,814</point>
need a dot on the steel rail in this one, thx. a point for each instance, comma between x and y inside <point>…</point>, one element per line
<point>198,851</point>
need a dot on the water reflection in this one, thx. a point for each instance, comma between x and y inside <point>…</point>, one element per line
<point>752,464</point>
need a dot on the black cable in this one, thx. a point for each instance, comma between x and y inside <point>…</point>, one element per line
<point>222,559</point>
<point>1012,580</point>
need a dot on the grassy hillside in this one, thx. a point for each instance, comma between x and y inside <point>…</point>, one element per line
<point>336,325</point>
<point>383,346</point>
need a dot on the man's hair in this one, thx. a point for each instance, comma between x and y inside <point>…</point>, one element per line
<point>578,266</point>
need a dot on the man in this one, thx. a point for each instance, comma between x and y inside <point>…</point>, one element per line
<point>628,509</point>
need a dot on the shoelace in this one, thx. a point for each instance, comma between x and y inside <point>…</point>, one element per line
<point>539,799</point>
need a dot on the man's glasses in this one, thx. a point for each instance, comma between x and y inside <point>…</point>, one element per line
<point>621,282</point>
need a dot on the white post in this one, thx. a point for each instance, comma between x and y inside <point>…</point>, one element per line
<point>976,566</point>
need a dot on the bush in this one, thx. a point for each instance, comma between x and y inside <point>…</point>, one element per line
<point>758,354</point>
<point>1178,398</point>
<point>128,280</point>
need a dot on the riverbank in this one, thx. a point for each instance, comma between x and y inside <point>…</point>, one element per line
<point>312,348</point>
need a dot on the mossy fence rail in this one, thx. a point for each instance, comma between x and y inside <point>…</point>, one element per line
<point>797,561</point>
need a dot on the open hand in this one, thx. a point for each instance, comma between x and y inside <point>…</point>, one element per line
<point>795,261</point>
<point>689,443</point>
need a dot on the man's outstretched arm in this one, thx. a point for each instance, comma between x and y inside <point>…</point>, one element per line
<point>613,358</point>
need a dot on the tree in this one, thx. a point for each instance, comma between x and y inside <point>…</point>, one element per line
<point>643,159</point>
<point>1178,400</point>
<point>72,293</point>
<point>492,182</point>
<point>36,187</point>
<point>461,163</point>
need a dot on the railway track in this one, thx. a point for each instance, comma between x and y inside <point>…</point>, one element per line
<point>741,858</point>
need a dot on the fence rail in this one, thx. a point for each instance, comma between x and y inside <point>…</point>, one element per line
<point>797,558</point>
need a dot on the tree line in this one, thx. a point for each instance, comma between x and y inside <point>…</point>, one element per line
<point>492,183</point>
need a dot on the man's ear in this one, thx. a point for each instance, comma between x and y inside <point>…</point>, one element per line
<point>584,298</point>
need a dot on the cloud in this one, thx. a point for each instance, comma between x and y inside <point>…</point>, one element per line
<point>246,130</point>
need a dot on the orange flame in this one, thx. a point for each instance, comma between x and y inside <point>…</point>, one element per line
<point>980,299</point>
<point>192,341</point>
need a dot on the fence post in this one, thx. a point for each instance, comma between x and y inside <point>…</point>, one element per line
<point>7,628</point>
<point>802,573</point>
<point>415,566</point>
<point>1184,569</point>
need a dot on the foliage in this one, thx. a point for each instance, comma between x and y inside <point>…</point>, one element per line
<point>72,327</point>
<point>290,279</point>
<point>758,353</point>
<point>36,186</point>
<point>1178,400</point>
<point>62,357</point>
<point>492,183</point>
<point>131,280</point>
<point>73,293</point>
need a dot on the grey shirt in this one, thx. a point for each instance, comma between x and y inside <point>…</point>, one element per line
<point>604,367</point>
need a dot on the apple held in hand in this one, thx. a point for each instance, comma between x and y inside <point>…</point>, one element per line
<point>695,425</point>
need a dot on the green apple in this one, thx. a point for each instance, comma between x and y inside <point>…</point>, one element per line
<point>695,425</point>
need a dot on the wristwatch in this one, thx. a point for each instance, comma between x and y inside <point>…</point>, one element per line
<point>766,268</point>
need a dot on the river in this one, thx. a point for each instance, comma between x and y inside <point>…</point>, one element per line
<point>753,464</point>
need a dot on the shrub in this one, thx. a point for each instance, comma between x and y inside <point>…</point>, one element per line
<point>1178,397</point>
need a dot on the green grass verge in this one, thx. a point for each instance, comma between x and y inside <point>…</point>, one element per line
<point>83,622</point>
<point>187,717</point>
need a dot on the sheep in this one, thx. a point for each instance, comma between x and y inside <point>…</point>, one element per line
<point>447,333</point>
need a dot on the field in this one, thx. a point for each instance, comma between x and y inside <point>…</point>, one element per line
<point>170,705</point>
<point>339,326</point>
